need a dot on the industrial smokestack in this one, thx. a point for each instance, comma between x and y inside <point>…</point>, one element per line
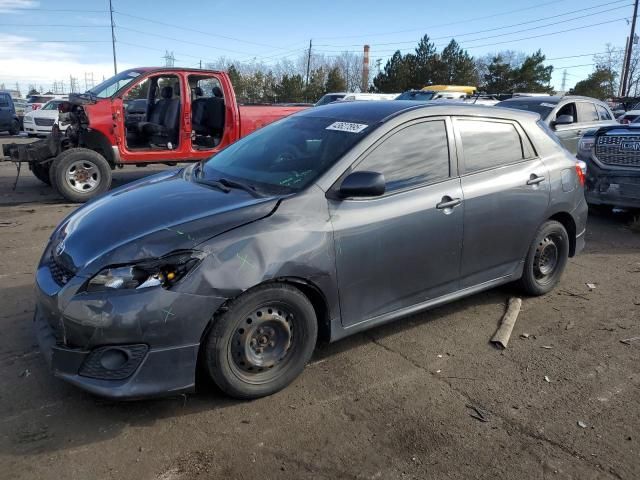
<point>365,69</point>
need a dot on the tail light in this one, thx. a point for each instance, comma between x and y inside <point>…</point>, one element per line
<point>581,171</point>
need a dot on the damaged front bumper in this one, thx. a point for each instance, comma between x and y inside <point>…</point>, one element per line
<point>121,345</point>
<point>35,152</point>
<point>617,187</point>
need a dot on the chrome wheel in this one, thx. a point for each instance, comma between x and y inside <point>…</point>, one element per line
<point>262,344</point>
<point>82,176</point>
<point>546,258</point>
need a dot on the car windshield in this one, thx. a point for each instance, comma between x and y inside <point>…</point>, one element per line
<point>51,105</point>
<point>38,99</point>
<point>286,156</point>
<point>115,83</point>
<point>540,107</point>
<point>419,95</point>
<point>328,99</point>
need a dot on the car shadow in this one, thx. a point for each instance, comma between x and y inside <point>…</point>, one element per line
<point>58,416</point>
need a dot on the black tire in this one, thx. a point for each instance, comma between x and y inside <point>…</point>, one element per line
<point>247,352</point>
<point>31,135</point>
<point>546,259</point>
<point>91,171</point>
<point>41,172</point>
<point>15,128</point>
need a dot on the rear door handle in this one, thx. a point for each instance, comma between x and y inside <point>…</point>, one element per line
<point>535,180</point>
<point>448,202</point>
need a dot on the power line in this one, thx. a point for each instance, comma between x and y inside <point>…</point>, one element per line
<point>508,26</point>
<point>445,24</point>
<point>48,25</point>
<point>55,41</point>
<point>199,31</point>
<point>517,39</point>
<point>173,39</point>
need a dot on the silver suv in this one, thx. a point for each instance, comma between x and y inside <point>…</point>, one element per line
<point>569,117</point>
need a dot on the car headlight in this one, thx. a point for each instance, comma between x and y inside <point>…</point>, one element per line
<point>165,271</point>
<point>28,120</point>
<point>586,144</point>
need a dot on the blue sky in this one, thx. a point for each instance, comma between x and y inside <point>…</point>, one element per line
<point>268,31</point>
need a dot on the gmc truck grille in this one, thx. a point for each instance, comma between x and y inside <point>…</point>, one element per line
<point>45,122</point>
<point>620,151</point>
<point>60,274</point>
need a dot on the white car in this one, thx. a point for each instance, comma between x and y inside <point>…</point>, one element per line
<point>349,97</point>
<point>630,116</point>
<point>35,102</point>
<point>40,122</point>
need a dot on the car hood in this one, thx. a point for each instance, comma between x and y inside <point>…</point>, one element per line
<point>151,218</point>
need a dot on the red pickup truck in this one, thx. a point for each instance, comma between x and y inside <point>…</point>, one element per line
<point>137,117</point>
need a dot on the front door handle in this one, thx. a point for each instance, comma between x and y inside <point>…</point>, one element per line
<point>448,202</point>
<point>535,180</point>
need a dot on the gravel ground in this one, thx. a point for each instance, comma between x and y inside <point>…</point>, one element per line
<point>391,403</point>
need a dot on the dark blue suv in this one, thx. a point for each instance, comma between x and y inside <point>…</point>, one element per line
<point>8,118</point>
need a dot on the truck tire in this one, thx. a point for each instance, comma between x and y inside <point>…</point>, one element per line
<point>80,174</point>
<point>41,172</point>
<point>15,128</point>
<point>262,342</point>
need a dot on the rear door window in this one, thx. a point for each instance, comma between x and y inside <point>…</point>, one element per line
<point>587,112</point>
<point>489,144</point>
<point>4,100</point>
<point>603,113</point>
<point>414,155</point>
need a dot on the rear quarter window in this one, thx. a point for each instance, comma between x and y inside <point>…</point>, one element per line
<point>488,144</point>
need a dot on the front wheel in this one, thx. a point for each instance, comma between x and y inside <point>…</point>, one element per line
<point>546,259</point>
<point>262,342</point>
<point>79,174</point>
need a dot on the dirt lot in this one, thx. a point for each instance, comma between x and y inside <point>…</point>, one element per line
<point>392,403</point>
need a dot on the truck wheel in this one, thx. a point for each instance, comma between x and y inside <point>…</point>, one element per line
<point>546,259</point>
<point>15,127</point>
<point>262,342</point>
<point>41,172</point>
<point>80,174</point>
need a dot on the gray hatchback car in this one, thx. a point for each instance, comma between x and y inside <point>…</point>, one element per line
<point>321,225</point>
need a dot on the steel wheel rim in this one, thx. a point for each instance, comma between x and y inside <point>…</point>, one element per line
<point>82,176</point>
<point>547,258</point>
<point>262,343</point>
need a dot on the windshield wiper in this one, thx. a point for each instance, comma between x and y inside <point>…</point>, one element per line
<point>214,183</point>
<point>242,186</point>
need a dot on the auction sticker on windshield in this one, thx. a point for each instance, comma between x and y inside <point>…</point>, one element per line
<point>347,127</point>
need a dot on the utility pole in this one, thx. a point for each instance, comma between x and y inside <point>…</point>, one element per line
<point>308,63</point>
<point>627,61</point>
<point>564,82</point>
<point>200,64</point>
<point>113,39</point>
<point>621,87</point>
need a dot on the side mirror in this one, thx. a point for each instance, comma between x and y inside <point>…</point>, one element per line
<point>564,120</point>
<point>362,184</point>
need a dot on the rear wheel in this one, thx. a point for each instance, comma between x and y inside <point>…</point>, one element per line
<point>262,342</point>
<point>41,172</point>
<point>546,259</point>
<point>80,174</point>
